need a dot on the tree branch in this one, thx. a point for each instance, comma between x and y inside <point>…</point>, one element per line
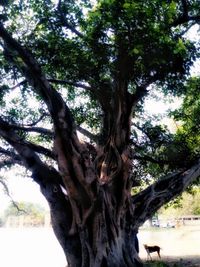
<point>66,23</point>
<point>85,132</point>
<point>41,150</point>
<point>141,91</point>
<point>19,84</point>
<point>185,17</point>
<point>50,183</point>
<point>70,83</point>
<point>151,159</point>
<point>32,129</point>
<point>8,153</point>
<point>38,120</point>
<point>161,192</point>
<point>6,131</point>
<point>9,158</point>
<point>187,29</point>
<point>27,153</point>
<point>9,162</point>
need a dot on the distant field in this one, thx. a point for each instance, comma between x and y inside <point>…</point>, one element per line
<point>31,247</point>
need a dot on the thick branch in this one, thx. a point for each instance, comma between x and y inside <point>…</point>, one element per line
<point>7,132</point>
<point>50,183</point>
<point>67,145</point>
<point>155,196</point>
<point>37,148</point>
<point>32,129</point>
<point>41,150</point>
<point>27,153</point>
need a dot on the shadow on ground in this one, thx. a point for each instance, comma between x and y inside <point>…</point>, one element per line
<point>187,261</point>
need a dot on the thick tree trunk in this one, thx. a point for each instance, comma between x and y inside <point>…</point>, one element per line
<point>101,242</point>
<point>107,239</point>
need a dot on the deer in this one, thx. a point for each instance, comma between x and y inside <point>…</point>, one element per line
<point>151,249</point>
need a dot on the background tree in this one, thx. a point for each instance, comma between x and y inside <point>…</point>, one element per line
<point>33,213</point>
<point>186,204</point>
<point>82,66</point>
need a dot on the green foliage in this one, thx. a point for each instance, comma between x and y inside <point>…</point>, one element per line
<point>188,115</point>
<point>163,151</point>
<point>86,46</point>
<point>153,48</point>
<point>187,204</point>
<point>188,134</point>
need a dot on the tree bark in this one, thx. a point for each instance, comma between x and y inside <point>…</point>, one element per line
<point>100,243</point>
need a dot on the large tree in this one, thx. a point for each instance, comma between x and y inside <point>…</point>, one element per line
<point>87,66</point>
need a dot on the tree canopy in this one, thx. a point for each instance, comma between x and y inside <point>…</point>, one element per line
<point>70,67</point>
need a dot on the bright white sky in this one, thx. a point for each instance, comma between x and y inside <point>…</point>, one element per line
<point>24,189</point>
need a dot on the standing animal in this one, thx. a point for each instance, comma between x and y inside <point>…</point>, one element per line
<point>151,249</point>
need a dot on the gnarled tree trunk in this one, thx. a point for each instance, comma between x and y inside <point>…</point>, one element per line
<point>108,238</point>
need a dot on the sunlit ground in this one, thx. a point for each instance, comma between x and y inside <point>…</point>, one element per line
<point>38,247</point>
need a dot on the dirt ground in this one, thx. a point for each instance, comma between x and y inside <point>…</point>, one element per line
<point>179,246</point>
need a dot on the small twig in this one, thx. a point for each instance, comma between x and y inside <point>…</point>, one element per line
<point>38,120</point>
<point>19,84</point>
<point>14,203</point>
